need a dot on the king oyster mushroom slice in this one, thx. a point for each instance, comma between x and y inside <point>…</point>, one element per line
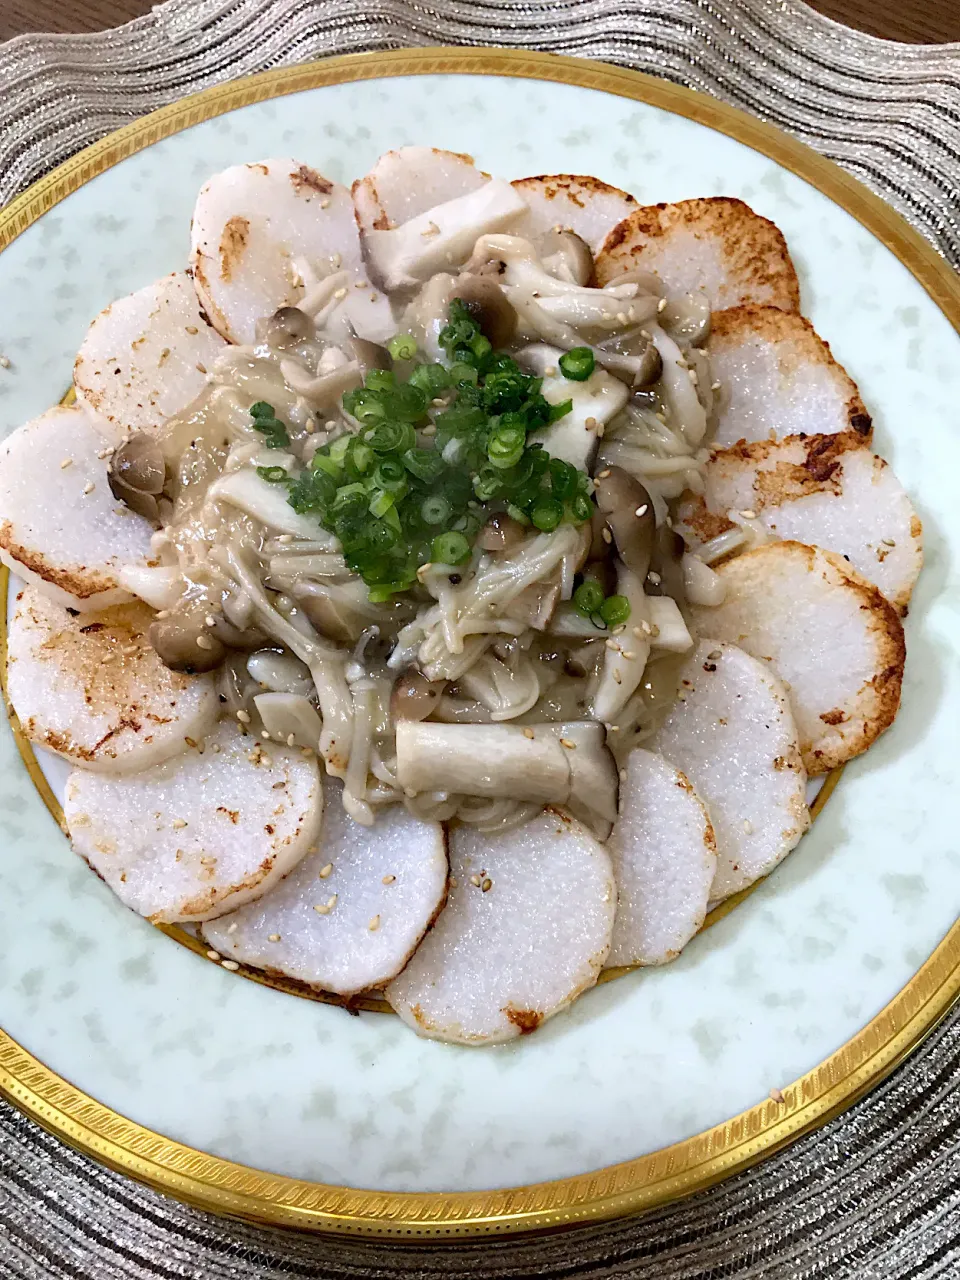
<point>577,203</point>
<point>596,400</point>
<point>778,378</point>
<point>664,857</point>
<point>350,916</point>
<point>61,528</point>
<point>825,490</point>
<point>441,237</point>
<point>734,737</point>
<point>92,689</point>
<point>253,224</point>
<point>508,951</point>
<point>565,763</point>
<point>145,358</point>
<point>201,834</point>
<point>717,246</point>
<point>828,634</point>
<point>409,181</point>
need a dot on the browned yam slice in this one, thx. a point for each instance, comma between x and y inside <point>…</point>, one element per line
<point>778,378</point>
<point>827,491</point>
<point>832,638</point>
<point>576,202</point>
<point>718,246</point>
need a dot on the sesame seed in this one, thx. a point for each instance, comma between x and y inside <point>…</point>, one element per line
<point>692,375</point>
<point>590,423</point>
<point>641,511</point>
<point>653,578</point>
<point>662,304</point>
<point>66,462</point>
<point>209,620</point>
<point>606,535</point>
<point>325,871</point>
<point>192,328</point>
<point>600,431</point>
<point>204,642</point>
<point>623,775</point>
<point>207,861</point>
<point>290,740</point>
<point>528,733</point>
<point>178,824</point>
<point>340,293</point>
<point>603,474</point>
<point>273,937</point>
<point>264,735</point>
<point>748,514</point>
<point>388,880</point>
<point>888,542</point>
<point>285,538</point>
<point>331,901</point>
<point>335,261</point>
<point>566,742</point>
<point>324,204</point>
<point>430,230</point>
<point>620,629</point>
<point>617,678</point>
<point>629,654</point>
<point>614,728</point>
<point>213,955</point>
<point>747,826</point>
<point>621,317</point>
<point>201,368</point>
<point>163,613</point>
<point>243,717</point>
<point>475,881</point>
<point>104,453</point>
<point>714,655</point>
<point>374,924</point>
<point>229,964</point>
<point>486,885</point>
<point>715,386</point>
<point>233,927</point>
<point>612,645</point>
<point>550,371</point>
<point>4,362</point>
<point>361,284</point>
<point>89,487</point>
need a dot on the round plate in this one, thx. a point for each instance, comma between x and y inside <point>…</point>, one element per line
<point>287,1111</point>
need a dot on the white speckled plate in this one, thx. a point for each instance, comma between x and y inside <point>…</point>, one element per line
<point>181,1073</point>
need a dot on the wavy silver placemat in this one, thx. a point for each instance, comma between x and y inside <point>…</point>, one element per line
<point>876,1194</point>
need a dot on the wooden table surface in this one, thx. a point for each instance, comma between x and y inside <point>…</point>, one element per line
<point>921,21</point>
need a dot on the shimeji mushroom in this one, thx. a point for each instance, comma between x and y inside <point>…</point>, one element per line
<point>349,917</point>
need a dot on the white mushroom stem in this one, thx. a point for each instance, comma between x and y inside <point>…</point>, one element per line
<point>268,503</point>
<point>307,648</point>
<point>290,715</point>
<point>626,654</point>
<point>668,629</point>
<point>565,764</point>
<point>324,391</point>
<point>678,390</point>
<point>336,710</point>
<point>442,236</point>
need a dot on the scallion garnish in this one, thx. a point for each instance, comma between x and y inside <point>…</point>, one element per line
<point>578,364</point>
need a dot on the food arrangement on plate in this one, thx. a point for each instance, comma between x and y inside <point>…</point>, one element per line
<point>447,587</point>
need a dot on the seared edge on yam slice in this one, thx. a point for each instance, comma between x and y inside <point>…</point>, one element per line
<point>779,378</point>
<point>91,687</point>
<point>201,834</point>
<point>828,491</point>
<point>830,636</point>
<point>61,528</point>
<point>733,735</point>
<point>716,245</point>
<point>350,916</point>
<point>664,856</point>
<point>526,930</point>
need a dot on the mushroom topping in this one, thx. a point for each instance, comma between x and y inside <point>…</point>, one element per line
<point>287,326</point>
<point>630,517</point>
<point>501,533</point>
<point>414,697</point>
<point>567,256</point>
<point>369,355</point>
<point>184,642</point>
<point>136,475</point>
<point>488,305</point>
<point>687,318</point>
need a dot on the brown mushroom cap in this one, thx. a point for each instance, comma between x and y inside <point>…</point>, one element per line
<point>184,643</point>
<point>287,326</point>
<point>501,533</point>
<point>370,355</point>
<point>136,475</point>
<point>414,697</point>
<point>488,305</point>
<point>628,509</point>
<point>570,249</point>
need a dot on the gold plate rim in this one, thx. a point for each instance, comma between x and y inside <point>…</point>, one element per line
<point>224,1187</point>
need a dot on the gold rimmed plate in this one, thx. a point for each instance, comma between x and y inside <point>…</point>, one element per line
<point>247,1101</point>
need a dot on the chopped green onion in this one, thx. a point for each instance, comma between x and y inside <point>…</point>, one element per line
<point>262,410</point>
<point>581,508</point>
<point>424,464</point>
<point>358,459</point>
<point>390,437</point>
<point>505,446</point>
<point>614,610</point>
<point>402,347</point>
<point>461,373</point>
<point>578,364</point>
<point>431,379</point>
<point>563,479</point>
<point>380,380</point>
<point>588,597</point>
<point>546,514</point>
<point>381,503</point>
<point>339,448</point>
<point>276,475</point>
<point>326,462</point>
<point>435,509</point>
<point>557,411</point>
<point>517,513</point>
<point>449,548</point>
<point>391,475</point>
<point>269,426</point>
